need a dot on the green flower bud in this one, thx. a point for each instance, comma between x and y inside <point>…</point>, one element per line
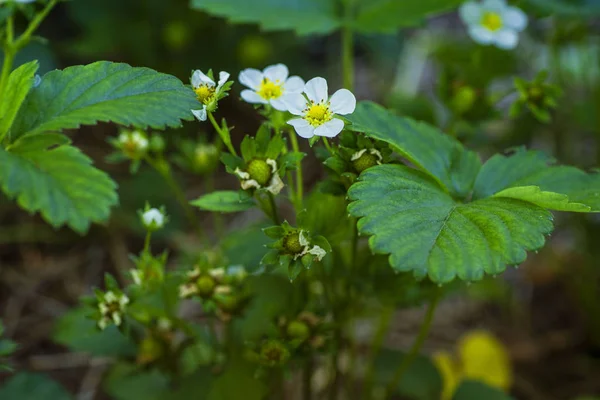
<point>260,171</point>
<point>291,243</point>
<point>206,285</point>
<point>298,330</point>
<point>367,160</point>
<point>274,353</point>
<point>206,157</point>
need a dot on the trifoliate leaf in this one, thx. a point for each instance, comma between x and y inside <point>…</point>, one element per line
<point>386,16</point>
<point>303,16</point>
<point>224,201</point>
<point>426,231</point>
<point>105,92</point>
<point>534,168</point>
<point>19,83</point>
<point>438,155</point>
<point>59,182</point>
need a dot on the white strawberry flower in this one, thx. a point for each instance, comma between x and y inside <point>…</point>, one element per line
<point>318,111</point>
<point>153,219</point>
<point>493,22</point>
<point>208,91</point>
<point>270,86</point>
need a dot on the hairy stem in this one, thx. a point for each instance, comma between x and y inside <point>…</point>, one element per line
<point>416,347</point>
<point>275,214</point>
<point>225,137</point>
<point>382,328</point>
<point>299,180</point>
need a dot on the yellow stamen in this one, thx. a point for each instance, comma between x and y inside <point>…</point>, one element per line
<point>318,114</point>
<point>269,89</point>
<point>492,21</point>
<point>205,93</point>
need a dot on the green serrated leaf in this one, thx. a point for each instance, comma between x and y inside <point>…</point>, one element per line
<point>303,16</point>
<point>20,82</point>
<point>59,182</point>
<point>534,168</point>
<point>105,92</point>
<point>386,16</point>
<point>32,386</point>
<point>548,200</point>
<point>224,201</point>
<point>426,231</point>
<point>439,155</point>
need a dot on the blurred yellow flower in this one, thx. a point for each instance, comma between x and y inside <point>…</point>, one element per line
<point>480,356</point>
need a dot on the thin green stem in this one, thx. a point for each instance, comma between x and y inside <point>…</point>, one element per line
<point>275,214</point>
<point>416,347</point>
<point>147,241</point>
<point>378,338</point>
<point>328,146</point>
<point>26,36</point>
<point>165,171</point>
<point>299,180</point>
<point>224,136</point>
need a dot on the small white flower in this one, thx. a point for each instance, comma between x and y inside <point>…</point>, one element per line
<point>206,90</point>
<point>270,86</point>
<point>315,250</point>
<point>153,219</point>
<point>133,143</point>
<point>318,111</point>
<point>493,22</point>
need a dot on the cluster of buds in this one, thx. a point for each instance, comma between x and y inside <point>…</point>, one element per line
<point>355,154</point>
<point>294,249</point>
<point>111,307</point>
<point>220,289</point>
<point>538,96</point>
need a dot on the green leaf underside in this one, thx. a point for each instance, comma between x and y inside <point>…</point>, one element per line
<point>60,183</point>
<point>224,201</point>
<point>19,84</point>
<point>105,92</point>
<point>548,200</point>
<point>440,156</point>
<point>534,168</point>
<point>303,16</point>
<point>425,231</point>
<point>386,16</point>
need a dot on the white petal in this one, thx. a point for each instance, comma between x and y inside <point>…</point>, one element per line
<point>252,97</point>
<point>493,5</point>
<point>506,39</point>
<point>199,77</point>
<point>481,35</point>
<point>276,184</point>
<point>249,184</point>
<point>295,102</point>
<point>330,128</point>
<point>514,18</point>
<point>223,76</point>
<point>277,72</point>
<point>200,114</point>
<point>279,104</point>
<point>343,102</point>
<point>302,127</point>
<point>251,77</point>
<point>316,89</point>
<point>470,12</point>
<point>294,84</point>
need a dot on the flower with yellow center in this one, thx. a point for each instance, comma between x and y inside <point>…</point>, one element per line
<point>318,111</point>
<point>207,91</point>
<point>493,22</point>
<point>270,86</point>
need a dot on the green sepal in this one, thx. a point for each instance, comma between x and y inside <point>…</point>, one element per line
<point>274,232</point>
<point>270,258</point>
<point>294,269</point>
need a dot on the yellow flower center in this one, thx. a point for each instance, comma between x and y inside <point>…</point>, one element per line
<point>318,114</point>
<point>269,89</point>
<point>491,21</point>
<point>205,93</point>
